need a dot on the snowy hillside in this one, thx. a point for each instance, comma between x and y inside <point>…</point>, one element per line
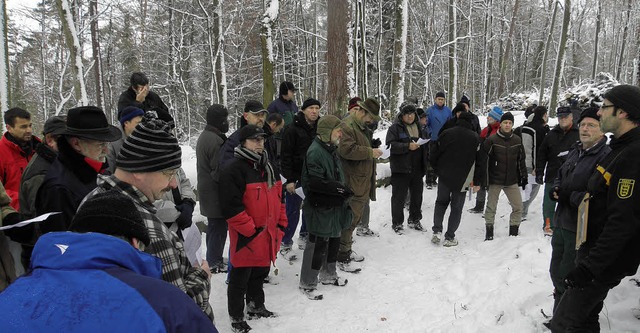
<point>410,285</point>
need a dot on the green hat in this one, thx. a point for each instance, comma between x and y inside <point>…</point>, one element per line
<point>326,125</point>
<point>372,106</point>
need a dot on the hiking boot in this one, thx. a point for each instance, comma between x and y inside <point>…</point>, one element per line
<point>355,257</point>
<point>513,230</point>
<point>415,225</point>
<point>348,266</point>
<point>239,326</point>
<point>288,254</point>
<point>366,232</point>
<point>437,236</point>
<point>338,281</point>
<point>311,294</point>
<point>259,311</point>
<point>302,241</point>
<point>450,242</point>
<point>477,209</point>
<point>220,267</point>
<point>489,235</point>
<point>398,229</point>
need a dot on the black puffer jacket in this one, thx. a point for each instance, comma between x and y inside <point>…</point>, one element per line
<point>402,159</point>
<point>572,181</point>
<point>296,140</point>
<point>554,150</point>
<point>505,159</point>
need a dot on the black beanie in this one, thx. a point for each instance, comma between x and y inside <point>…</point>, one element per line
<point>458,108</point>
<point>285,87</point>
<point>408,108</point>
<point>217,117</point>
<point>626,97</point>
<point>309,102</point>
<point>590,112</point>
<point>150,147</point>
<point>440,94</point>
<point>110,213</point>
<point>507,116</point>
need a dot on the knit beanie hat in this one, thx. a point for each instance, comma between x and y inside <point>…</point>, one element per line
<point>440,94</point>
<point>129,113</point>
<point>285,87</point>
<point>590,112</point>
<point>309,102</point>
<point>506,116</point>
<point>496,113</point>
<point>110,213</point>
<point>421,112</point>
<point>150,147</point>
<point>354,102</point>
<point>217,117</point>
<point>326,125</point>
<point>626,97</point>
<point>458,108</point>
<point>408,109</point>
<point>465,100</point>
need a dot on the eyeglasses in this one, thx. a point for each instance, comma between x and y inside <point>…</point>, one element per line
<point>170,173</point>
<point>602,107</point>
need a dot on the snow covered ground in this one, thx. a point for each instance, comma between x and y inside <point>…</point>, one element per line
<point>410,285</point>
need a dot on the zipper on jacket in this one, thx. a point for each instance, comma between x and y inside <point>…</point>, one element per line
<point>258,188</point>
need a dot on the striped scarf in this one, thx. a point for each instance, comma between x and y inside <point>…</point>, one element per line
<point>259,161</point>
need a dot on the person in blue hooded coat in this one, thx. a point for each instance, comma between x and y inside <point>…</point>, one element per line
<point>98,280</point>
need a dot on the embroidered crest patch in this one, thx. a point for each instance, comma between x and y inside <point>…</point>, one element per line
<point>625,188</point>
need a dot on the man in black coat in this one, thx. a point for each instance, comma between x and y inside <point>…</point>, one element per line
<point>533,133</point>
<point>612,248</point>
<point>82,155</point>
<point>296,140</point>
<point>552,153</point>
<point>457,160</point>
<point>569,189</point>
<point>139,94</point>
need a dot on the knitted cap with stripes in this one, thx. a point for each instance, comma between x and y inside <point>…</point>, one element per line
<point>151,147</point>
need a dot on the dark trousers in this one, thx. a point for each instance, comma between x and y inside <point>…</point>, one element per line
<point>563,257</point>
<point>481,196</point>
<point>579,309</point>
<point>401,182</point>
<point>320,256</point>
<point>445,197</point>
<point>245,281</point>
<point>216,238</point>
<point>293,203</point>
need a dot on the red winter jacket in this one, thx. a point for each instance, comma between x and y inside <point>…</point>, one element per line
<point>13,161</point>
<point>255,213</point>
<point>489,130</point>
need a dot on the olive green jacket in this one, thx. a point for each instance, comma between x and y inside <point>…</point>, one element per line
<point>357,159</point>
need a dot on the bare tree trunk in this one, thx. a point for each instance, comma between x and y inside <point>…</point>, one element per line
<point>5,97</point>
<point>488,52</point>
<point>625,33</point>
<point>596,43</point>
<point>507,49</point>
<point>73,43</point>
<point>337,39</point>
<point>268,57</point>
<point>543,73</point>
<point>399,55</point>
<point>560,59</point>
<point>95,47</point>
<point>453,53</point>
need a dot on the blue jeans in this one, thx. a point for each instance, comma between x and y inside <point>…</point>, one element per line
<point>293,204</point>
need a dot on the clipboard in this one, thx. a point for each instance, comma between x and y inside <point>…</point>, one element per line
<point>583,219</point>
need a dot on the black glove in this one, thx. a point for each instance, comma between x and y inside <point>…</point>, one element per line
<point>184,221</point>
<point>375,143</point>
<point>344,191</point>
<point>539,179</point>
<point>21,235</point>
<point>523,182</point>
<point>578,277</point>
<point>563,195</point>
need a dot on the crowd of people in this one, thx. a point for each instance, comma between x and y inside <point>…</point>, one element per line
<point>124,205</point>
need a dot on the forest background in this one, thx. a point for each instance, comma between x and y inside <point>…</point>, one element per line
<point>57,54</point>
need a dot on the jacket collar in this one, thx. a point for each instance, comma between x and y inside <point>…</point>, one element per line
<point>215,130</point>
<point>627,138</point>
<point>75,162</point>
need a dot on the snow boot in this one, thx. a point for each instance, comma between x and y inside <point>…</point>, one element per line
<point>450,242</point>
<point>489,235</point>
<point>338,281</point>
<point>366,232</point>
<point>478,209</point>
<point>356,257</point>
<point>311,294</point>
<point>415,224</point>
<point>398,229</point>
<point>239,325</point>
<point>436,238</point>
<point>349,267</point>
<point>288,254</point>
<point>513,230</point>
<point>254,311</point>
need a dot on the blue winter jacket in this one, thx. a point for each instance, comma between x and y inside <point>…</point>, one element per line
<point>96,283</point>
<point>436,117</point>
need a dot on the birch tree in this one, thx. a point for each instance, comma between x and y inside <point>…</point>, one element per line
<point>560,59</point>
<point>75,51</point>
<point>268,56</point>
<point>5,98</point>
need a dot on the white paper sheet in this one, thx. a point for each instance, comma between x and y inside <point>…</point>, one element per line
<point>33,220</point>
<point>386,152</point>
<point>300,193</point>
<point>422,141</point>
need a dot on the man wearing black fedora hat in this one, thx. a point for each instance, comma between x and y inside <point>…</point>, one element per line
<point>82,155</point>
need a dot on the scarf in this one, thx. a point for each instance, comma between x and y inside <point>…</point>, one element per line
<point>259,161</point>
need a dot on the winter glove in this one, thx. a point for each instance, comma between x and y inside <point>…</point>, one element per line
<point>376,143</point>
<point>184,221</point>
<point>555,192</point>
<point>523,182</point>
<point>579,277</point>
<point>539,179</point>
<point>563,195</point>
